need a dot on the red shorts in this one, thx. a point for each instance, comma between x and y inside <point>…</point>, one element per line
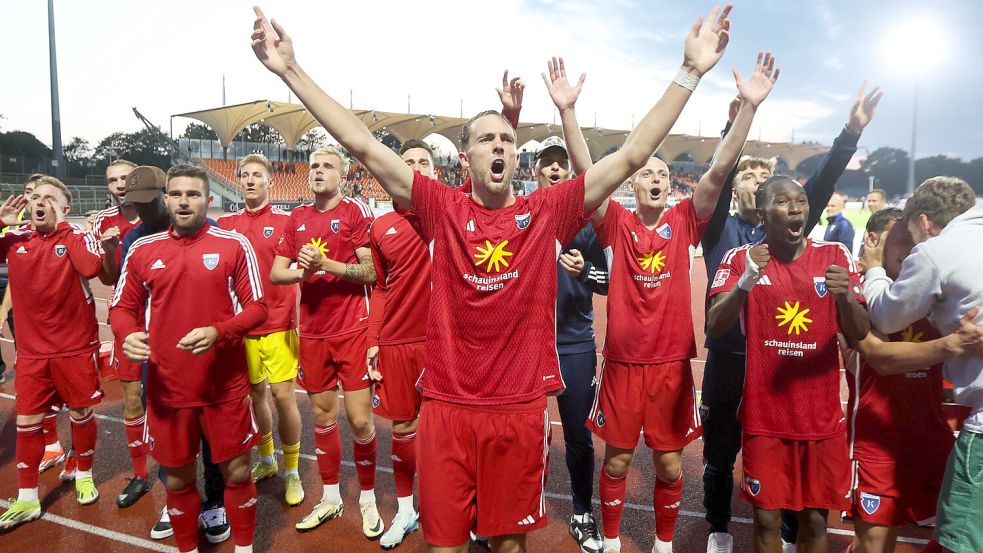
<point>396,397</point>
<point>790,474</point>
<point>126,370</point>
<point>43,383</point>
<point>327,362</point>
<point>659,398</point>
<point>481,469</point>
<point>174,433</point>
<point>890,494</point>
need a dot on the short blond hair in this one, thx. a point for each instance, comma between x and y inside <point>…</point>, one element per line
<point>125,162</point>
<point>257,158</point>
<point>48,179</point>
<point>331,150</point>
<point>752,162</point>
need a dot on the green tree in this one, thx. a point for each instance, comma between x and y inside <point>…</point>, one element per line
<point>143,147</point>
<point>199,131</point>
<point>889,167</point>
<point>259,132</point>
<point>22,152</point>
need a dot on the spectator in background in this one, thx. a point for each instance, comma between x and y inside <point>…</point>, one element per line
<point>876,200</point>
<point>839,228</point>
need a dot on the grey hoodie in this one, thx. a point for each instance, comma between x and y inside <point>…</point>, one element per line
<point>942,278</point>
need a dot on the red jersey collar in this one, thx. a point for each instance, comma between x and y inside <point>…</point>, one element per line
<point>192,238</point>
<point>259,212</point>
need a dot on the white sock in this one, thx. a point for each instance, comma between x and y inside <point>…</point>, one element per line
<point>27,494</point>
<point>612,543</point>
<point>332,494</point>
<point>244,548</point>
<point>80,474</point>
<point>53,447</point>
<point>406,505</point>
<point>581,518</point>
<point>268,459</point>
<point>293,472</point>
<point>366,497</point>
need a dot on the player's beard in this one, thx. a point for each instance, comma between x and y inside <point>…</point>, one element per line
<point>189,225</point>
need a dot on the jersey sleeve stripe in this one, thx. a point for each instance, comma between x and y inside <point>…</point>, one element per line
<point>91,242</point>
<point>124,271</point>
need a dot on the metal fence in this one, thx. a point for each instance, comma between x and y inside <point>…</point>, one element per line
<point>85,198</point>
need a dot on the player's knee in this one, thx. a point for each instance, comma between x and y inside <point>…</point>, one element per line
<point>767,522</point>
<point>80,413</point>
<point>617,465</point>
<point>132,406</point>
<point>362,426</point>
<point>405,427</point>
<point>236,470</point>
<point>25,420</point>
<point>812,524</point>
<point>509,544</point>
<point>668,466</point>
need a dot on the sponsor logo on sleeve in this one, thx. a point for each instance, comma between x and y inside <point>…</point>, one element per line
<point>720,278</point>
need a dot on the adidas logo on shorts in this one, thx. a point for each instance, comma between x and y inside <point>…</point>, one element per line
<point>527,521</point>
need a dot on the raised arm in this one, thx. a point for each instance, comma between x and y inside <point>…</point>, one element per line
<point>705,43</point>
<point>889,358</point>
<point>564,97</point>
<point>275,50</point>
<point>819,187</point>
<point>752,92</point>
<point>715,227</point>
<point>511,96</point>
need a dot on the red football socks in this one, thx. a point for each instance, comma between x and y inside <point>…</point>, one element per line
<point>404,462</point>
<point>666,500</point>
<point>365,455</point>
<point>51,428</point>
<point>137,447</point>
<point>84,440</point>
<point>240,507</point>
<point>30,451</point>
<point>184,506</point>
<point>327,446</point>
<point>612,503</point>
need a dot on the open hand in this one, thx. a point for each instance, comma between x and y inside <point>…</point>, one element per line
<point>754,90</point>
<point>511,93</point>
<point>863,108</point>
<point>271,44</point>
<point>563,93</point>
<point>706,41</point>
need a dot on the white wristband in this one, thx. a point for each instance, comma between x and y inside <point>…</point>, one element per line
<point>686,80</point>
<point>752,273</point>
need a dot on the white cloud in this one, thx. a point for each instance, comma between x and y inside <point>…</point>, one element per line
<point>833,62</point>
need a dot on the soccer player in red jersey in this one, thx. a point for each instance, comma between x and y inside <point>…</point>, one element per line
<point>59,337</point>
<point>491,344</point>
<point>272,349</point>
<point>110,226</point>
<point>396,338</point>
<point>646,383</point>
<point>793,296</point>
<point>189,282</point>
<point>899,436</point>
<point>329,240</point>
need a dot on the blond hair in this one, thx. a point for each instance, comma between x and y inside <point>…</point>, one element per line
<point>125,162</point>
<point>331,150</point>
<point>257,158</point>
<point>39,180</point>
<point>752,162</point>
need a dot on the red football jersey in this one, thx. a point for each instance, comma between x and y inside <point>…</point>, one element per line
<point>109,218</point>
<point>491,333</point>
<point>792,382</point>
<point>330,306</point>
<point>401,296</point>
<point>49,278</point>
<point>897,418</point>
<point>650,319</point>
<point>263,229</point>
<point>179,283</point>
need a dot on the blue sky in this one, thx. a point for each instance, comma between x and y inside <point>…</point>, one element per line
<point>167,58</point>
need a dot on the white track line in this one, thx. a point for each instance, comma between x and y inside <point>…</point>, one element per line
<point>102,532</point>
<point>157,547</point>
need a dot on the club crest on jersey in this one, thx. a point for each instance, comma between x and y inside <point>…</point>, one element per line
<point>522,221</point>
<point>600,418</point>
<point>210,260</point>
<point>60,250</point>
<point>753,485</point>
<point>819,283</point>
<point>376,401</point>
<point>267,232</point>
<point>869,502</point>
<point>335,225</point>
<point>665,231</point>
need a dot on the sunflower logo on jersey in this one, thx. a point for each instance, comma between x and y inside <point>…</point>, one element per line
<point>493,257</point>
<point>911,335</point>
<point>653,261</point>
<point>794,317</point>
<point>319,245</point>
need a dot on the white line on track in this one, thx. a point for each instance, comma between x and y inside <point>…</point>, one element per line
<point>126,538</point>
<point>102,532</point>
